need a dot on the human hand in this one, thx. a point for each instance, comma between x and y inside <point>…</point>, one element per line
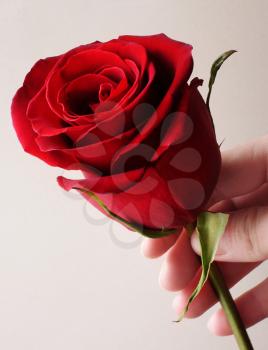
<point>242,190</point>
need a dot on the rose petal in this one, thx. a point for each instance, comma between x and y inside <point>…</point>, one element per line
<point>90,150</point>
<point>99,183</point>
<point>201,139</point>
<point>141,196</point>
<point>32,84</point>
<point>43,120</point>
<point>74,66</point>
<point>79,96</point>
<point>172,58</point>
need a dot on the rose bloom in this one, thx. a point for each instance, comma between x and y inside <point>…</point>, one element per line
<point>123,113</point>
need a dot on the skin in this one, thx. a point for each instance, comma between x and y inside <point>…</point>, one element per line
<point>242,190</point>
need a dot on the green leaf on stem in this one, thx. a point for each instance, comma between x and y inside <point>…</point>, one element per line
<point>210,227</point>
<point>214,70</point>
<point>151,233</point>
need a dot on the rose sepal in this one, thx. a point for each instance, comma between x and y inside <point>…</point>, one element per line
<point>210,227</point>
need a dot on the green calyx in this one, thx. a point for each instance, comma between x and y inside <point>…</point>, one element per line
<point>209,227</point>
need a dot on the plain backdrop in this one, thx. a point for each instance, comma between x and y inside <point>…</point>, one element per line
<point>69,279</point>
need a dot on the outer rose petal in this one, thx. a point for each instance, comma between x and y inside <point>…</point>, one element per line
<point>32,84</point>
<point>204,158</point>
<point>148,203</point>
<point>99,183</point>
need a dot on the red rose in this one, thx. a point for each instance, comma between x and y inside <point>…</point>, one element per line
<point>123,113</point>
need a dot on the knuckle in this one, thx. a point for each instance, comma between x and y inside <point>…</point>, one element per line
<point>250,223</point>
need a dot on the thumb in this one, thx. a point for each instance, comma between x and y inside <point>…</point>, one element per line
<point>245,238</point>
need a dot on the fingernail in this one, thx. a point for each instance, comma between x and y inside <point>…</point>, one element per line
<point>211,324</point>
<point>195,243</point>
<point>163,276</point>
<point>179,302</point>
<point>175,304</point>
<point>143,248</point>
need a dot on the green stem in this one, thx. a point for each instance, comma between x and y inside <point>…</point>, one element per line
<point>229,308</point>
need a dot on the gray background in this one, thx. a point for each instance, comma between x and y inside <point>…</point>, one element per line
<point>64,282</point>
